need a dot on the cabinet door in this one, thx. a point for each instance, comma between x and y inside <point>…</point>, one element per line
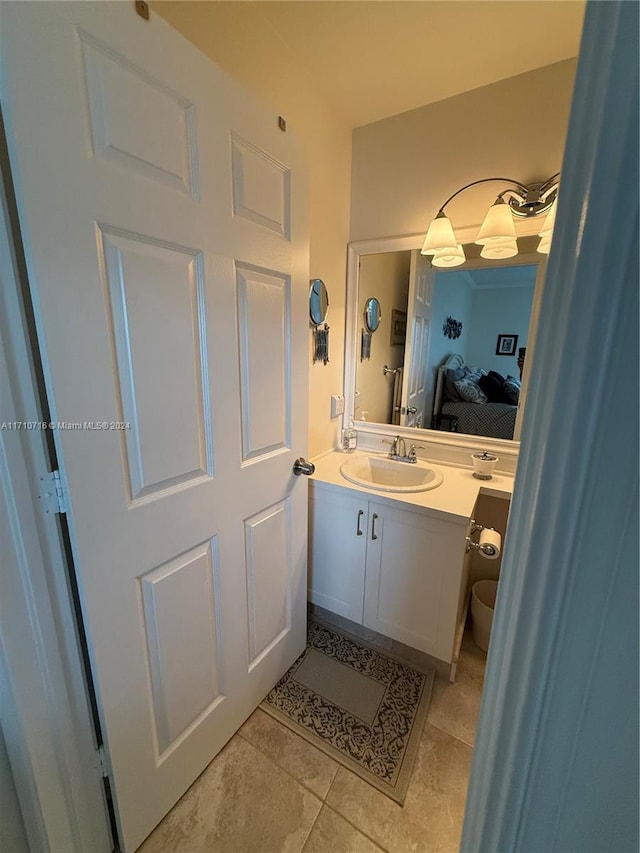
<point>413,569</point>
<point>337,550</point>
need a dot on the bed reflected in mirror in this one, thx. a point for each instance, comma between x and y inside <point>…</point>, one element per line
<point>474,364</point>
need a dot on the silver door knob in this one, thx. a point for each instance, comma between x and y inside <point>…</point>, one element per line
<point>301,466</point>
<point>411,410</point>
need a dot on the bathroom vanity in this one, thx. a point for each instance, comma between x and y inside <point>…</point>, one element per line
<point>395,562</point>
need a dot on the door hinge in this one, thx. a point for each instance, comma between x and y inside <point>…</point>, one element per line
<point>52,497</point>
<point>102,762</point>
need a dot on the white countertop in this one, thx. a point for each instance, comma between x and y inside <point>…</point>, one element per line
<point>455,498</point>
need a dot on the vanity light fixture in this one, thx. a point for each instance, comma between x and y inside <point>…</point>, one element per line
<point>449,257</point>
<point>546,232</point>
<point>497,234</point>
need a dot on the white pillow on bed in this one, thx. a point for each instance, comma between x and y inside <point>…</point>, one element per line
<point>470,391</point>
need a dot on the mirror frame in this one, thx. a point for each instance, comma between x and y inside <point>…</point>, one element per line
<point>355,250</point>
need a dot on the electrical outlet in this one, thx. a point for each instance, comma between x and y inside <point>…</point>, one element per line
<point>337,405</point>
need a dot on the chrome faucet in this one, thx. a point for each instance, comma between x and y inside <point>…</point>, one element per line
<point>393,452</point>
<point>398,451</point>
<point>412,452</point>
<point>397,446</point>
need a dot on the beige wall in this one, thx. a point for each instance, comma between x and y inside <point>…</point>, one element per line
<point>242,43</point>
<point>386,277</point>
<point>406,166</point>
<point>403,167</point>
<point>490,512</point>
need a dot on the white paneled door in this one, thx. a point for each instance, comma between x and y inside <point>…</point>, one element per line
<point>414,380</point>
<point>164,216</point>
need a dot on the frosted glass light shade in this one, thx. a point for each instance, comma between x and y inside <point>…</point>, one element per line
<point>544,245</point>
<point>449,257</point>
<point>439,236</point>
<point>550,221</point>
<point>498,224</point>
<point>495,251</point>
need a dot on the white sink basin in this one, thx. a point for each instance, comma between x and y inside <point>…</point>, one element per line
<point>387,475</point>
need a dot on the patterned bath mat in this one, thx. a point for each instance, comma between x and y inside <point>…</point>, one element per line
<point>363,708</point>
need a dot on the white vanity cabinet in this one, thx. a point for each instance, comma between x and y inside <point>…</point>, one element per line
<point>338,525</point>
<point>388,565</point>
<point>414,569</point>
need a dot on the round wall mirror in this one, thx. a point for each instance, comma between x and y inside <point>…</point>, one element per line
<point>318,301</point>
<point>372,314</point>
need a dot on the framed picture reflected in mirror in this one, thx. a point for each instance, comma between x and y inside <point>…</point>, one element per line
<point>398,328</point>
<point>506,344</point>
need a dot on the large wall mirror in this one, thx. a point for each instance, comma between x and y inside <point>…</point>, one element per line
<point>446,334</point>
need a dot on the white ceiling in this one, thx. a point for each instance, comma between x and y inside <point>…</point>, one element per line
<point>371,60</point>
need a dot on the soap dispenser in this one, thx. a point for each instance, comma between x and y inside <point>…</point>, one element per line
<point>349,438</point>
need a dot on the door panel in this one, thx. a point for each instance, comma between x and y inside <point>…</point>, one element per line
<point>264,329</point>
<point>414,391</point>
<point>164,218</point>
<point>181,625</point>
<point>137,121</point>
<point>417,373</point>
<point>156,300</point>
<point>268,573</point>
<point>261,188</point>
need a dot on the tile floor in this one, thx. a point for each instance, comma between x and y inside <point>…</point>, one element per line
<point>269,791</point>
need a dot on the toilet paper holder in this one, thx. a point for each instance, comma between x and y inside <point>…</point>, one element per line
<point>487,549</point>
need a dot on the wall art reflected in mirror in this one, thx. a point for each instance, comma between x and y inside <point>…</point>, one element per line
<point>469,382</point>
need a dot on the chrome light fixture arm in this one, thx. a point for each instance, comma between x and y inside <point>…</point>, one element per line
<point>520,186</point>
<point>527,200</point>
